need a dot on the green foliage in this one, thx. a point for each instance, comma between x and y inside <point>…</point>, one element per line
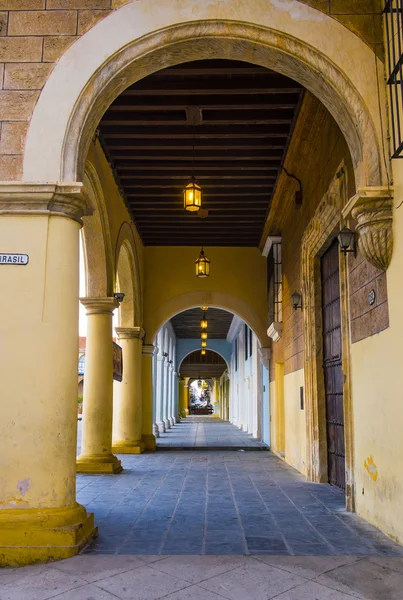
<point>80,400</point>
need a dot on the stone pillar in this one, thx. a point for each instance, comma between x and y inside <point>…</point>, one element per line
<point>181,397</point>
<point>40,519</point>
<point>171,414</point>
<point>160,394</point>
<point>147,393</point>
<point>127,406</point>
<point>155,399</point>
<point>177,415</point>
<point>215,400</point>
<point>186,396</point>
<point>96,447</point>
<point>165,396</point>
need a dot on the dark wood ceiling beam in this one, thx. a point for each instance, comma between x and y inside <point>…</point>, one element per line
<point>202,131</point>
<point>198,156</point>
<point>206,178</point>
<point>161,122</point>
<point>211,88</point>
<point>261,166</point>
<point>123,105</point>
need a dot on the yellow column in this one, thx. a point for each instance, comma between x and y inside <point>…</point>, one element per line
<point>127,405</point>
<point>186,396</point>
<point>96,447</point>
<point>147,393</point>
<point>39,517</point>
<point>216,400</point>
<point>181,397</point>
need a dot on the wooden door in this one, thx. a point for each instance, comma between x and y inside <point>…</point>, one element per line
<point>332,365</point>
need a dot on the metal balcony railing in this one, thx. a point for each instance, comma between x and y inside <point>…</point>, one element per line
<point>393,14</point>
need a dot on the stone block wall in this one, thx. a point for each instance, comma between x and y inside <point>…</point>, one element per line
<point>316,151</point>
<point>35,33</point>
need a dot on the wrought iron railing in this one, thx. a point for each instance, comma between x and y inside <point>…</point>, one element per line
<point>393,14</point>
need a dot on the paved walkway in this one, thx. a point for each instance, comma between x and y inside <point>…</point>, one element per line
<point>206,433</point>
<point>100,577</point>
<point>222,502</point>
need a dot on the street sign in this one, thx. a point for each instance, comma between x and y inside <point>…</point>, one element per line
<point>14,259</point>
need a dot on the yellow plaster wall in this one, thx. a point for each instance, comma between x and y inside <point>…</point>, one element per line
<point>378,402</point>
<point>237,281</point>
<point>295,424</point>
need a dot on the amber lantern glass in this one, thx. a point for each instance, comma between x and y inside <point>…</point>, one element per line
<point>202,265</point>
<point>192,196</point>
<point>204,335</point>
<point>203,352</point>
<point>204,322</point>
<point>203,344</point>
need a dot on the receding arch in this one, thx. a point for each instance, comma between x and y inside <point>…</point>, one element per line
<point>128,277</point>
<point>132,43</point>
<point>211,350</point>
<point>154,320</point>
<point>96,237</point>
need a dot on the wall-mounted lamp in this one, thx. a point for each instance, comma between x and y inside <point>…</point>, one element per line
<point>346,239</point>
<point>118,296</point>
<point>165,354</point>
<point>296,300</point>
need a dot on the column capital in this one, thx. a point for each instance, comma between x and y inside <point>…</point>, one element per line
<point>67,200</point>
<point>372,208</point>
<point>99,306</point>
<point>129,333</point>
<point>148,350</point>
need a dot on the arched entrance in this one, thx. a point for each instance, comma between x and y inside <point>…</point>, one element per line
<point>69,109</point>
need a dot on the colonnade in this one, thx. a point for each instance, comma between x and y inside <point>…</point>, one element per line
<point>166,406</point>
<point>112,412</point>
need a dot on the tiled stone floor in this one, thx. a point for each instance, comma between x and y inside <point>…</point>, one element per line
<point>206,433</point>
<point>222,502</point>
<point>102,577</point>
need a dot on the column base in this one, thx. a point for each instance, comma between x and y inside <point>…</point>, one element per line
<point>167,424</point>
<point>185,412</point>
<point>161,427</point>
<point>156,433</point>
<point>215,416</point>
<point>30,536</point>
<point>123,447</point>
<point>150,443</point>
<point>171,422</point>
<point>98,463</point>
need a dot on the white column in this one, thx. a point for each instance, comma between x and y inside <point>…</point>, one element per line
<point>165,395</point>
<point>160,394</point>
<point>156,433</point>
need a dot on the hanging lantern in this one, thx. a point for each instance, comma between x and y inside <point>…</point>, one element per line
<point>192,196</point>
<point>204,322</point>
<point>204,335</point>
<point>204,344</point>
<point>204,308</point>
<point>203,352</point>
<point>202,265</point>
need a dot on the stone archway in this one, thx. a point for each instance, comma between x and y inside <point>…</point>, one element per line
<point>131,43</point>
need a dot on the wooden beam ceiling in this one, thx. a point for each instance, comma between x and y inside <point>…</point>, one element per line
<point>204,366</point>
<point>227,122</point>
<point>187,324</point>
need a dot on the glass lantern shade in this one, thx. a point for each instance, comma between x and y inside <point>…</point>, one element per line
<point>345,237</point>
<point>202,265</point>
<point>204,335</point>
<point>296,300</point>
<point>203,344</point>
<point>204,323</point>
<point>192,196</point>
<point>203,352</point>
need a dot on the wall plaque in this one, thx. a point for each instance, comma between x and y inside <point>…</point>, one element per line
<point>14,259</point>
<point>371,297</point>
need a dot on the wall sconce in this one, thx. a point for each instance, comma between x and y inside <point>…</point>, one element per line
<point>204,335</point>
<point>296,300</point>
<point>346,238</point>
<point>119,296</point>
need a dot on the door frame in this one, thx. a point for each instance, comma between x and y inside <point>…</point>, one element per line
<point>318,236</point>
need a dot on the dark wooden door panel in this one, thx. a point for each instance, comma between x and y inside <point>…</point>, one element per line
<point>332,365</point>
